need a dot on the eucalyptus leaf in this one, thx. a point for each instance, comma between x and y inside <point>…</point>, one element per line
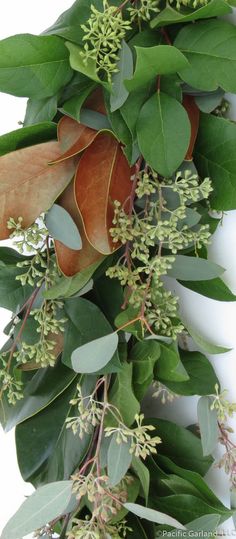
<point>153,61</point>
<point>165,145</point>
<point>77,63</point>
<point>209,47</point>
<point>66,287</point>
<point>119,92</point>
<point>94,120</point>
<point>204,524</point>
<point>203,343</point>
<point>33,66</point>
<point>44,505</point>
<point>194,268</point>
<point>93,356</point>
<point>40,110</point>
<point>208,424</point>
<point>122,396</point>
<point>118,460</point>
<point>62,227</point>
<point>171,16</point>
<point>152,515</point>
<point>143,474</point>
<point>214,289</point>
<point>72,107</point>
<point>208,103</point>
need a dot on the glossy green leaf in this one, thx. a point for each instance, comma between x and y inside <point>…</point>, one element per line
<point>186,507</point>
<point>154,61</point>
<point>203,343</point>
<point>208,424</point>
<point>175,439</point>
<point>215,157</point>
<point>152,515</point>
<point>27,136</point>
<point>210,47</point>
<point>202,377</point>
<point>40,110</point>
<point>169,15</point>
<point>119,92</point>
<point>131,108</point>
<point>118,461</point>
<point>122,396</point>
<point>12,294</point>
<point>43,388</point>
<point>94,355</point>
<point>77,63</point>
<point>72,107</point>
<point>169,366</point>
<point>143,474</point>
<point>214,289</point>
<point>68,286</point>
<point>44,505</point>
<point>33,66</point>
<point>62,227</point>
<point>162,143</point>
<point>191,268</point>
<point>143,355</point>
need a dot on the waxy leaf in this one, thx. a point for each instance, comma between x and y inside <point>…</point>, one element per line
<point>94,355</point>
<point>203,525</point>
<point>143,474</point>
<point>40,110</point>
<point>193,114</point>
<point>66,287</point>
<point>214,289</point>
<point>62,227</point>
<point>119,92</point>
<point>169,15</point>
<point>215,157</point>
<point>103,175</point>
<point>44,505</point>
<point>28,185</point>
<point>153,61</point>
<point>71,261</point>
<point>210,47</point>
<point>192,268</point>
<point>33,66</point>
<point>208,424</point>
<point>152,515</point>
<point>118,460</point>
<point>162,142</point>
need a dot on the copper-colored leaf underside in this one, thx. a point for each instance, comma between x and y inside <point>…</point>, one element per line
<point>103,175</point>
<point>70,261</point>
<point>194,115</point>
<point>28,185</point>
<point>74,138</point>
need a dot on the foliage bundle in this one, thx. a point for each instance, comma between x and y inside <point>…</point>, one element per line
<point>106,192</point>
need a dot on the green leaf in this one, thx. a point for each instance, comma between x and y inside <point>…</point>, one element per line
<point>119,92</point>
<point>175,439</point>
<point>131,108</point>
<point>118,461</point>
<point>125,318</point>
<point>205,345</point>
<point>163,144</point>
<point>210,47</point>
<point>192,268</point>
<point>40,110</point>
<point>169,15</point>
<point>94,119</point>
<point>77,63</point>
<point>204,524</point>
<point>215,157</point>
<point>144,355</point>
<point>143,474</point>
<point>12,294</point>
<point>62,227</point>
<point>214,289</point>
<point>94,355</point>
<point>154,61</point>
<point>44,505</point>
<point>27,136</point>
<point>68,286</point>
<point>153,516</point>
<point>43,388</point>
<point>208,424</point>
<point>33,66</point>
<point>132,494</point>
<point>186,507</point>
<point>202,377</point>
<point>169,366</point>
<point>86,322</point>
<point>72,107</point>
<point>122,396</point>
<point>208,103</point>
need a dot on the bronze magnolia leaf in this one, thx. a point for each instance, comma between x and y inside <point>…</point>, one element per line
<point>74,137</point>
<point>103,175</point>
<point>194,116</point>
<point>72,261</point>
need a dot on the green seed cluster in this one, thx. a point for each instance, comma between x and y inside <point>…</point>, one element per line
<point>143,10</point>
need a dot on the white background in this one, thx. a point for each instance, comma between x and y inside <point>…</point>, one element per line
<point>18,16</point>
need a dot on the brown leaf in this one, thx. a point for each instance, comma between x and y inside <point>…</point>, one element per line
<point>28,185</point>
<point>74,138</point>
<point>194,115</point>
<point>70,261</point>
<point>103,175</point>
<point>95,101</point>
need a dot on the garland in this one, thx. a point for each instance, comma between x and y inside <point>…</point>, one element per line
<point>108,193</point>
